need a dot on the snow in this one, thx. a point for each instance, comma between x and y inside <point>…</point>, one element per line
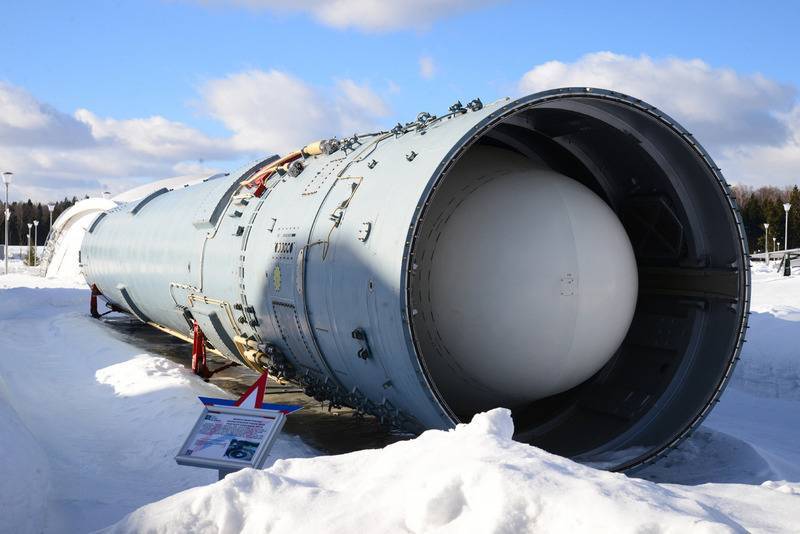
<point>21,509</point>
<point>90,414</point>
<point>89,426</point>
<point>770,365</point>
<point>471,479</point>
<point>770,426</point>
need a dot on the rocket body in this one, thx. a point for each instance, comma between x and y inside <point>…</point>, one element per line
<point>573,255</point>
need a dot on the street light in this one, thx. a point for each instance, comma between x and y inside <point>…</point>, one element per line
<point>51,207</point>
<point>786,208</point>
<point>35,242</point>
<point>29,242</point>
<point>7,180</point>
<point>766,240</point>
<point>787,263</point>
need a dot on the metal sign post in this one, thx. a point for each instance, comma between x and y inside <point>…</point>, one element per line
<point>231,435</point>
<point>229,438</point>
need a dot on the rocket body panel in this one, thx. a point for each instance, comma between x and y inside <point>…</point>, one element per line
<point>315,258</point>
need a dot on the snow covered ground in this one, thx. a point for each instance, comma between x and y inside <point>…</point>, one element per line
<point>89,426</point>
<point>472,479</point>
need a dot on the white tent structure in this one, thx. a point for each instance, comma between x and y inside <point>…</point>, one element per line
<point>64,242</point>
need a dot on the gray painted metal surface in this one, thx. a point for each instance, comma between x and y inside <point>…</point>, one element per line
<point>315,278</point>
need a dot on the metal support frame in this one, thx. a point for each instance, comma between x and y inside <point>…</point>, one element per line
<point>199,361</point>
<point>110,305</point>
<point>93,302</point>
<point>199,364</point>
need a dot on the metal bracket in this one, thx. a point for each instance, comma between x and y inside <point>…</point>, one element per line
<point>364,353</point>
<point>295,168</point>
<point>363,233</point>
<point>568,285</point>
<point>457,107</point>
<point>475,105</point>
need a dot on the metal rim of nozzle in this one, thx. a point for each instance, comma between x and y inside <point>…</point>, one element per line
<point>528,102</point>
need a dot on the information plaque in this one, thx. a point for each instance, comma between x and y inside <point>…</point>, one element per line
<point>229,438</point>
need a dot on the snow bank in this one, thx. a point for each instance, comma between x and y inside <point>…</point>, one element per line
<point>771,426</point>
<point>471,479</point>
<point>770,364</point>
<point>712,456</point>
<point>23,504</point>
<point>90,426</point>
<point>97,417</point>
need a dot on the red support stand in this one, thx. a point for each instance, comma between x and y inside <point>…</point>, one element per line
<point>199,365</point>
<point>93,302</point>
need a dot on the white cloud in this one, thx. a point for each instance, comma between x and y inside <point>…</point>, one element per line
<point>26,121</point>
<point>777,164</point>
<point>368,15</point>
<point>18,109</point>
<point>55,154</point>
<point>264,109</point>
<point>154,136</point>
<point>274,111</point>
<point>749,124</point>
<point>427,67</point>
<point>361,99</point>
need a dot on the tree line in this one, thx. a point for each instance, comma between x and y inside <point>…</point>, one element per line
<point>765,205</point>
<point>26,212</point>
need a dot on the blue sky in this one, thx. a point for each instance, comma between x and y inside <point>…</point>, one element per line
<point>179,61</point>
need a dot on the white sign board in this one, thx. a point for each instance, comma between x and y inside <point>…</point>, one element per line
<point>231,438</point>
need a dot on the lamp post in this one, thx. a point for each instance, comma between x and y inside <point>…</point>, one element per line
<point>786,208</point>
<point>30,225</point>
<point>766,240</point>
<point>787,264</point>
<point>35,242</point>
<point>774,244</point>
<point>7,180</point>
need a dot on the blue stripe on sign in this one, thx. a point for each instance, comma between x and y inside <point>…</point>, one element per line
<point>287,408</point>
